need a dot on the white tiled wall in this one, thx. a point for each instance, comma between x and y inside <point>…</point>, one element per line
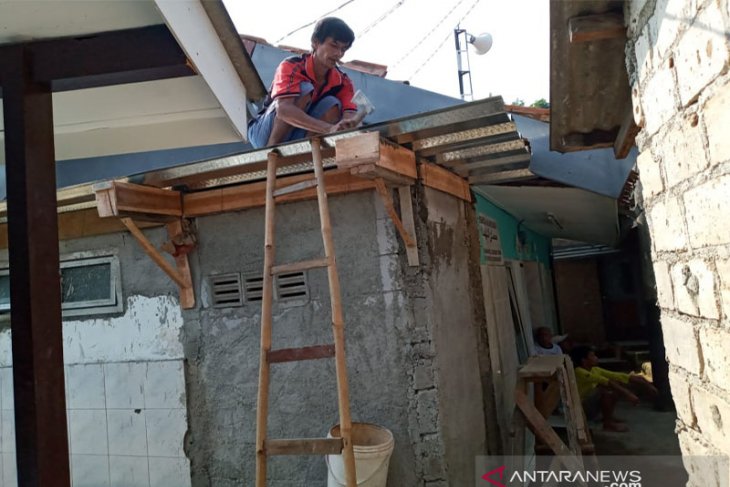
<point>126,425</point>
<point>125,399</point>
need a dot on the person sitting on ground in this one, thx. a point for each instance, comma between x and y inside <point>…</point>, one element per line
<point>546,343</point>
<point>599,389</point>
<point>309,93</point>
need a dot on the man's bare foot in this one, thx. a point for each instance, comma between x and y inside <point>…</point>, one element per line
<point>615,426</point>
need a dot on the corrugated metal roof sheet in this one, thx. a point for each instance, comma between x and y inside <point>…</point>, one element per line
<point>477,140</point>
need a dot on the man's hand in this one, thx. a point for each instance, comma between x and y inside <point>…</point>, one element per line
<point>343,124</point>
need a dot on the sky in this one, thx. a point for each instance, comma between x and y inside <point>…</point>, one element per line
<point>415,39</point>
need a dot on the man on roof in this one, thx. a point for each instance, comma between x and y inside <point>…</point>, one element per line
<point>309,94</point>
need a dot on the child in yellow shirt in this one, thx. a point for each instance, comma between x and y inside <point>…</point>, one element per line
<point>599,388</point>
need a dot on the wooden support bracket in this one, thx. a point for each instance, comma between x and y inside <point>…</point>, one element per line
<point>116,198</point>
<point>408,240</point>
<point>179,274</point>
<point>540,427</point>
<point>370,156</point>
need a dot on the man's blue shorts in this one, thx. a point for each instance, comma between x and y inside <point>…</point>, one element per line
<point>260,127</point>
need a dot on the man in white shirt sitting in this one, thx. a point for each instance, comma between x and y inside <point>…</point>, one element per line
<point>546,343</point>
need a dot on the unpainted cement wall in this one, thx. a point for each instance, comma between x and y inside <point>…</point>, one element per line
<point>412,339</point>
<point>678,57</point>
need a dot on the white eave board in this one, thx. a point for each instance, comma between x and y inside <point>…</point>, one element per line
<point>136,117</point>
<point>559,212</point>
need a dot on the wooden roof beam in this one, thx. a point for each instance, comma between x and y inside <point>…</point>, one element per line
<point>589,28</point>
<point>110,58</point>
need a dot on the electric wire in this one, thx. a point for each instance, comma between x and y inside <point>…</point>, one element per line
<point>379,19</point>
<point>420,43</point>
<point>314,21</point>
<point>421,66</point>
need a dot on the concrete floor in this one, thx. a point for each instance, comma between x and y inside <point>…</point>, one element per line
<point>652,437</point>
<point>651,432</point>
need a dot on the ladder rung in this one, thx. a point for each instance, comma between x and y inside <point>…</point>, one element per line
<point>293,188</point>
<point>299,266</point>
<point>304,446</point>
<point>299,354</point>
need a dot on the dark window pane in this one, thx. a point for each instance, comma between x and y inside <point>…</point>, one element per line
<point>4,291</point>
<point>86,283</point>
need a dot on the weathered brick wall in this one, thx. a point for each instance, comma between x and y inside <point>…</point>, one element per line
<point>677,58</point>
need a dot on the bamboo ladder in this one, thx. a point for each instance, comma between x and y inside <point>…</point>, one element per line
<point>308,446</point>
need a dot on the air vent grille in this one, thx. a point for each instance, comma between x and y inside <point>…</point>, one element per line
<point>254,288</point>
<point>226,290</point>
<point>291,286</point>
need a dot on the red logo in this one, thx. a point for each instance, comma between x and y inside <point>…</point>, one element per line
<point>498,470</point>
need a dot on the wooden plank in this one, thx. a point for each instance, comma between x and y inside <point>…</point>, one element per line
<point>153,253</point>
<point>541,366</point>
<point>540,427</point>
<point>390,208</point>
<point>370,148</point>
<point>373,171</point>
<point>626,138</point>
<point>253,195</point>
<point>136,200</point>
<point>444,180</point>
<point>187,295</point>
<point>299,354</point>
<point>293,188</point>
<point>582,423</point>
<point>588,28</point>
<point>304,446</point>
<point>300,266</point>
<point>409,224</point>
<point>569,413</point>
<point>502,177</point>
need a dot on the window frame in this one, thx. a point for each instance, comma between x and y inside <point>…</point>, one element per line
<point>112,304</point>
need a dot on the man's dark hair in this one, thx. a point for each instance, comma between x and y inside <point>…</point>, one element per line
<point>335,28</point>
<point>579,353</point>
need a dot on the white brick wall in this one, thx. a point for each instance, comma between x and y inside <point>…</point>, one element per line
<point>723,271</point>
<point>665,293</point>
<point>717,120</point>
<point>658,100</point>
<point>680,342</point>
<point>682,398</point>
<point>682,151</point>
<point>702,53</point>
<point>667,225</point>
<point>650,174</point>
<point>716,357</point>
<point>713,418</point>
<point>694,289</point>
<point>701,461</point>
<point>709,203</point>
<point>687,200</point>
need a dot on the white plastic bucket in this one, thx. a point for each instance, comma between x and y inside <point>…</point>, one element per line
<point>372,446</point>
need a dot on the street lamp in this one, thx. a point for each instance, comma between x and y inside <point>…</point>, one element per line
<point>482,43</point>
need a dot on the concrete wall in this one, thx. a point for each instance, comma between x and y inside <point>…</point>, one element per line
<point>677,57</point>
<point>414,341</point>
<point>411,345</point>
